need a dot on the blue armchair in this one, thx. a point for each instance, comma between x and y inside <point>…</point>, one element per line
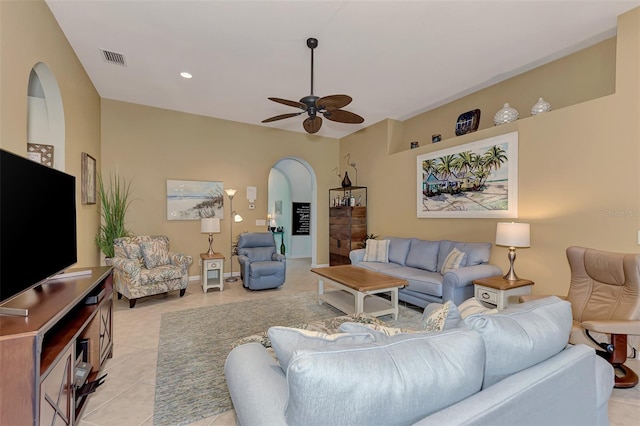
<point>261,266</point>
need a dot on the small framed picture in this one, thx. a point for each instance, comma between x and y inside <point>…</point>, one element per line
<point>88,179</point>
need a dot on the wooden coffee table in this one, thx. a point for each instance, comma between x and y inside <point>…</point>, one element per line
<point>357,288</point>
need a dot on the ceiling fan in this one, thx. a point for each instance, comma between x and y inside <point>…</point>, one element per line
<point>328,106</point>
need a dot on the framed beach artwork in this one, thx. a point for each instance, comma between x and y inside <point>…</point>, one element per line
<point>475,180</point>
<point>194,199</point>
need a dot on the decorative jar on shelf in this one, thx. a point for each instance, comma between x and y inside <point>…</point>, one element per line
<point>346,182</point>
<point>505,115</point>
<point>540,107</point>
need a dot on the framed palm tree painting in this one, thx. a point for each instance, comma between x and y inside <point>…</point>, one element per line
<point>475,180</point>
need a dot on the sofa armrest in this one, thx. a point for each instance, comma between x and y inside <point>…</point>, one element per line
<point>244,263</point>
<point>128,270</point>
<point>613,326</point>
<point>464,276</point>
<point>278,257</point>
<point>181,260</point>
<point>257,385</point>
<point>356,256</point>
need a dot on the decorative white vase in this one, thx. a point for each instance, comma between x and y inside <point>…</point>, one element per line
<point>505,115</point>
<point>540,107</point>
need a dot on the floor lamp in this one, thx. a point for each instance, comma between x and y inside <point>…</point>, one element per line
<point>234,218</point>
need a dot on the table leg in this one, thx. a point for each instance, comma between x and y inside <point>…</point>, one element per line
<point>359,296</point>
<point>320,290</point>
<point>394,302</point>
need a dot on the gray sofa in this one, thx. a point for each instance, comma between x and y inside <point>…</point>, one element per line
<point>509,368</point>
<point>419,262</point>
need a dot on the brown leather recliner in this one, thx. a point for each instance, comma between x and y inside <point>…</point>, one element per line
<point>605,300</point>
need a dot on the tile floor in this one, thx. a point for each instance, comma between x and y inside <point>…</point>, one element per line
<point>127,397</point>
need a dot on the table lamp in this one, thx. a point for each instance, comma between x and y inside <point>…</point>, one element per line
<point>210,225</point>
<point>512,235</point>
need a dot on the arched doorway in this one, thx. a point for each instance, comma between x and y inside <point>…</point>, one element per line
<point>45,116</point>
<point>293,180</point>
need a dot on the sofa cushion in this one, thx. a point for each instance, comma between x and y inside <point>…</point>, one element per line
<point>398,249</point>
<point>522,335</point>
<point>423,254</point>
<point>420,280</point>
<point>477,253</point>
<point>285,341</point>
<point>454,260</point>
<point>132,250</point>
<point>398,382</point>
<point>155,253</point>
<point>376,251</point>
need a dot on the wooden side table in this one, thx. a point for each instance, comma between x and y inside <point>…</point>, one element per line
<point>500,292</point>
<point>212,271</point>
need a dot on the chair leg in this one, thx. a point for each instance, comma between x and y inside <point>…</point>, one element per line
<point>182,291</point>
<point>627,378</point>
<point>132,303</point>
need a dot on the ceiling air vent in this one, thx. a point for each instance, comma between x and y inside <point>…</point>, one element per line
<point>113,58</point>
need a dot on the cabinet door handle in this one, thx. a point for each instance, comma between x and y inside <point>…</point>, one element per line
<point>485,295</point>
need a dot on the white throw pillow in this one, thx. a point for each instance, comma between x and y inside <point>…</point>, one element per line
<point>474,306</point>
<point>454,259</point>
<point>285,341</point>
<point>440,316</point>
<point>377,251</point>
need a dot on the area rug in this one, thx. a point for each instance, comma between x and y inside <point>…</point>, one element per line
<point>194,344</point>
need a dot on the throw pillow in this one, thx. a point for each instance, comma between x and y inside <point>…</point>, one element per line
<point>474,306</point>
<point>438,316</point>
<point>454,259</point>
<point>155,253</point>
<point>377,251</point>
<point>379,332</point>
<point>285,341</point>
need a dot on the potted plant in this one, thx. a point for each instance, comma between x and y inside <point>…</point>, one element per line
<point>114,202</point>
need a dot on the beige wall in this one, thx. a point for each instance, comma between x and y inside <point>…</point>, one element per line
<point>29,34</point>
<point>151,145</point>
<point>579,175</point>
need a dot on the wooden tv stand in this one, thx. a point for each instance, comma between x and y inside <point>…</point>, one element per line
<point>39,353</point>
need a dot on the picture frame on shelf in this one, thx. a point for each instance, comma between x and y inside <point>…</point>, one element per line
<point>194,199</point>
<point>40,153</point>
<point>473,180</point>
<point>88,187</point>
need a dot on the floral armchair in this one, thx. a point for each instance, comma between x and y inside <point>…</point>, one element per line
<point>144,266</point>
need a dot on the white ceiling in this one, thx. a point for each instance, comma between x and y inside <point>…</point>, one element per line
<point>395,58</point>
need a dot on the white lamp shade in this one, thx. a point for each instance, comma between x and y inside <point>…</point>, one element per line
<point>210,225</point>
<point>231,192</point>
<point>513,234</point>
<point>237,218</point>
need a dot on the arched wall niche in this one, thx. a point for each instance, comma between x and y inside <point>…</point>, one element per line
<point>45,113</point>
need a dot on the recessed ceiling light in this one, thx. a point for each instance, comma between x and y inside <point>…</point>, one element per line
<point>185,75</point>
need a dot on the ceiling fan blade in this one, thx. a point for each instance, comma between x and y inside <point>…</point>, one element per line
<point>342,116</point>
<point>281,117</point>
<point>312,125</point>
<point>333,102</point>
<point>294,104</point>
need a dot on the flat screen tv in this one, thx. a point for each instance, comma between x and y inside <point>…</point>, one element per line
<point>37,224</point>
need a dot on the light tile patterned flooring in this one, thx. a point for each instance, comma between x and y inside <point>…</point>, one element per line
<point>127,396</point>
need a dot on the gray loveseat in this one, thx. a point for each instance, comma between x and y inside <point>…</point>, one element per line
<point>509,368</point>
<point>420,262</point>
